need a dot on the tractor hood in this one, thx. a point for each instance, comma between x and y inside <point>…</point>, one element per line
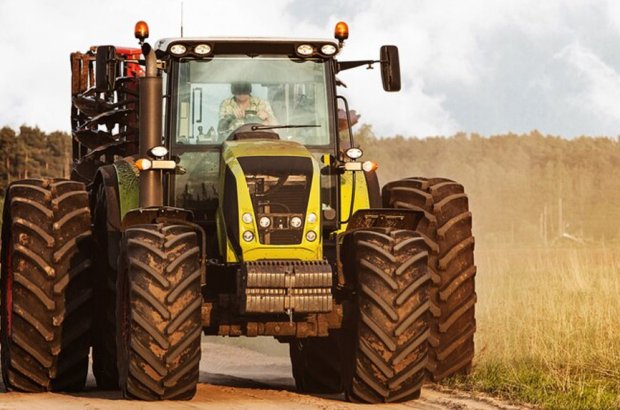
<point>270,207</point>
<point>267,148</point>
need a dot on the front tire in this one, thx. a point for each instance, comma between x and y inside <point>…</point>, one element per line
<point>46,286</point>
<point>159,312</point>
<point>386,326</point>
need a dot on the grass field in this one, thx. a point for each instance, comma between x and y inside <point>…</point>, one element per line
<point>548,327</point>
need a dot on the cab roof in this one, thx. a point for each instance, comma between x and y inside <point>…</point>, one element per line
<point>248,45</point>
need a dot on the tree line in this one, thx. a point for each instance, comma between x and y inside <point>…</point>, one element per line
<point>32,153</point>
<point>523,189</point>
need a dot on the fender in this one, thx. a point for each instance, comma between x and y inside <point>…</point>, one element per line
<point>374,189</point>
<point>371,218</point>
<point>120,181</point>
<point>385,218</point>
<point>128,182</point>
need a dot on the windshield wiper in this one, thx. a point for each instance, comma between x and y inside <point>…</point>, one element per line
<point>275,127</point>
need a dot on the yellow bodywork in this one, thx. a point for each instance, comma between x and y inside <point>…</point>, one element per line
<point>362,200</point>
<point>306,250</point>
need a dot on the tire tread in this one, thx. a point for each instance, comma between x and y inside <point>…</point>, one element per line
<point>447,223</point>
<point>46,231</point>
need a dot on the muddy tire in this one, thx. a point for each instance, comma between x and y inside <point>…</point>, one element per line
<point>159,312</point>
<point>46,286</point>
<point>104,326</point>
<point>447,226</point>
<point>316,365</point>
<point>386,326</point>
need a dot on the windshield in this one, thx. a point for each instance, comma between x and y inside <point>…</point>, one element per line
<point>217,96</point>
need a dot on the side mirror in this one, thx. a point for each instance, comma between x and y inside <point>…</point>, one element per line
<point>105,69</point>
<point>390,68</point>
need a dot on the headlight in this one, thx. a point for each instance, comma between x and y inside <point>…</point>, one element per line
<point>311,218</point>
<point>295,222</point>
<point>178,49</point>
<point>202,49</point>
<point>264,222</point>
<point>248,236</point>
<point>305,49</point>
<point>311,236</point>
<point>158,152</point>
<point>354,153</point>
<point>328,49</point>
<point>247,218</point>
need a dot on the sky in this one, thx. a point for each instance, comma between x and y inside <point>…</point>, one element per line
<point>482,66</point>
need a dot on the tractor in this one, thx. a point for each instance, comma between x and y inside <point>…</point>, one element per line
<point>217,189</point>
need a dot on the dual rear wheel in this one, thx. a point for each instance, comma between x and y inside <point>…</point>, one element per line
<point>47,309</point>
<point>369,372</point>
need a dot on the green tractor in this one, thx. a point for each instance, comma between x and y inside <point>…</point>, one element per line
<point>217,189</point>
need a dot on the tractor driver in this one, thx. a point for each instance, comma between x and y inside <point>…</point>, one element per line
<point>243,108</point>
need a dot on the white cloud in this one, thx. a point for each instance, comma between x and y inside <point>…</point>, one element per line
<point>463,62</point>
<point>600,83</point>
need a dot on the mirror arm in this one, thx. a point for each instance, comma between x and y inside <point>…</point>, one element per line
<point>345,65</point>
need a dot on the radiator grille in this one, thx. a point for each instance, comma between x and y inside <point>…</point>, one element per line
<point>279,188</point>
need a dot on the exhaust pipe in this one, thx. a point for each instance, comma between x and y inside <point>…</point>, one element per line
<point>151,186</point>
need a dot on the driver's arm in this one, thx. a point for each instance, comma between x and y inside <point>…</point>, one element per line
<point>266,113</point>
<point>227,109</point>
<point>227,115</point>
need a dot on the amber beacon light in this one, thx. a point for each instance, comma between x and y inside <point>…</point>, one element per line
<point>142,30</point>
<point>341,31</point>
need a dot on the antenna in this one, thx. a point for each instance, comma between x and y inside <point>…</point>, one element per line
<point>181,18</point>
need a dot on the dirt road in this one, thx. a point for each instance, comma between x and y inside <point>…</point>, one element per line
<point>247,374</point>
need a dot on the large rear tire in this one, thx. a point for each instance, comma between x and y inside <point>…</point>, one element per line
<point>159,312</point>
<point>316,365</point>
<point>386,326</point>
<point>46,286</point>
<point>447,226</point>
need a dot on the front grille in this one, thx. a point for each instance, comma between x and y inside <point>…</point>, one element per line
<point>279,188</point>
<point>284,237</point>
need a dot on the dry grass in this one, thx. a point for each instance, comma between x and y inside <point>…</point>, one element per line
<point>549,326</point>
